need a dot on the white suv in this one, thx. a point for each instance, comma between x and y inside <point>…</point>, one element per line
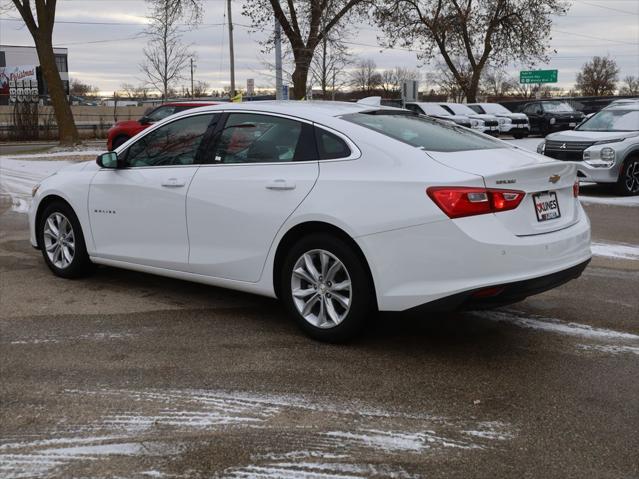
<point>515,124</point>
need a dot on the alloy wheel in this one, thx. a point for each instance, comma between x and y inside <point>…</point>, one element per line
<point>321,288</point>
<point>631,178</point>
<point>59,240</point>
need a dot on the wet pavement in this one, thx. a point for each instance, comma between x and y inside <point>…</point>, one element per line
<point>130,375</point>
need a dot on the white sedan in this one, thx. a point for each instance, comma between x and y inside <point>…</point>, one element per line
<point>338,209</point>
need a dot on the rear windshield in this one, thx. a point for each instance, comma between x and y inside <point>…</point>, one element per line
<point>423,132</point>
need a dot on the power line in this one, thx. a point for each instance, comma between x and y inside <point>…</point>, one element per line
<point>611,8</point>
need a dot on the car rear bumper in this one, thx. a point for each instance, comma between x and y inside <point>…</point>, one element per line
<point>503,294</point>
<point>421,264</point>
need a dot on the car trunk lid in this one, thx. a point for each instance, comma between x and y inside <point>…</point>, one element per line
<point>549,204</point>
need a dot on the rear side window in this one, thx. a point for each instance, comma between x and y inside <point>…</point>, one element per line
<point>330,146</point>
<point>423,132</point>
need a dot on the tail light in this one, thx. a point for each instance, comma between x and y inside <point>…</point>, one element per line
<point>459,201</point>
<point>575,189</point>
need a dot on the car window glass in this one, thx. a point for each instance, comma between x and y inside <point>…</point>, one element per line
<point>423,132</point>
<point>477,108</point>
<point>330,146</point>
<point>557,106</point>
<point>161,113</point>
<point>612,120</point>
<point>175,143</point>
<point>255,138</point>
<point>448,109</point>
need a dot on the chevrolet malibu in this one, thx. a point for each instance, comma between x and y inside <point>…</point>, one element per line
<point>337,209</point>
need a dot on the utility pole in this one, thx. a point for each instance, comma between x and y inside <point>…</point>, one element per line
<point>278,60</point>
<point>192,90</point>
<point>232,94</point>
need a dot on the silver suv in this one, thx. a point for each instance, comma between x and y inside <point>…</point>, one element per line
<point>606,146</point>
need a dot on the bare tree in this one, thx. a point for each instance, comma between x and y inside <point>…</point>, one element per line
<point>365,77</point>
<point>79,88</point>
<point>200,89</point>
<point>598,77</point>
<point>631,87</point>
<point>448,83</point>
<point>496,82</point>
<point>393,79</point>
<point>329,62</point>
<point>305,24</point>
<point>484,32</point>
<point>166,56</point>
<point>134,92</point>
<point>41,29</point>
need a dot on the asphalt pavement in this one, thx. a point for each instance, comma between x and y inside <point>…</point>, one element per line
<point>130,375</point>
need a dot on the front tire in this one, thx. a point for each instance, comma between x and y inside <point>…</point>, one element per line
<point>327,288</point>
<point>628,182</point>
<point>62,242</point>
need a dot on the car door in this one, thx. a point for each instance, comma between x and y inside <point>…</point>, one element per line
<point>137,211</point>
<point>260,168</point>
<point>535,116</point>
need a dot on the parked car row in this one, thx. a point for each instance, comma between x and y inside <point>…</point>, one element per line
<point>490,118</point>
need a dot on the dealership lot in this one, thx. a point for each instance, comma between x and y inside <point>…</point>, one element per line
<point>129,375</point>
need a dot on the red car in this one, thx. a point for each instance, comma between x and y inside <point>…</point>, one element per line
<point>123,130</point>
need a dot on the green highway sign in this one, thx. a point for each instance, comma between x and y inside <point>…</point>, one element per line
<point>538,76</point>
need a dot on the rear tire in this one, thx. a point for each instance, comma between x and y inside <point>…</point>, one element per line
<point>326,287</point>
<point>628,182</point>
<point>62,243</point>
<point>518,136</point>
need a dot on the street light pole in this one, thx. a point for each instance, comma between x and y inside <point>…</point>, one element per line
<point>232,94</point>
<point>192,90</point>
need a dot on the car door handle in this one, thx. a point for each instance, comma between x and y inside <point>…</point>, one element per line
<point>173,182</point>
<point>280,185</point>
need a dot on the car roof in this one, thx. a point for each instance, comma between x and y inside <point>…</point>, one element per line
<point>190,103</point>
<point>303,109</point>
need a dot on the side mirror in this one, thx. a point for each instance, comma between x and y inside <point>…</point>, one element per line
<point>108,160</point>
<point>145,120</point>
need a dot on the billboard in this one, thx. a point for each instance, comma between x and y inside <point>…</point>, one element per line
<point>19,83</point>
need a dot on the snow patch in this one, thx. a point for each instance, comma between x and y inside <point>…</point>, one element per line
<point>610,349</point>
<point>612,200</point>
<point>616,250</point>
<point>554,325</point>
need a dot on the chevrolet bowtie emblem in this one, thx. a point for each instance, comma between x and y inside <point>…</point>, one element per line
<point>563,146</point>
<point>554,178</point>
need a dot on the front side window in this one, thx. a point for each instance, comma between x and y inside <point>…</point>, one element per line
<point>477,109</point>
<point>423,132</point>
<point>532,109</point>
<point>175,143</point>
<point>256,138</point>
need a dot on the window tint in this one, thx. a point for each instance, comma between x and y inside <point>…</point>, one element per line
<point>330,146</point>
<point>255,138</point>
<point>477,109</point>
<point>448,109</point>
<point>423,132</point>
<point>175,143</point>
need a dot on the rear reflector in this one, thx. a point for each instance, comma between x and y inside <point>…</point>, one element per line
<point>575,189</point>
<point>488,292</point>
<point>460,201</point>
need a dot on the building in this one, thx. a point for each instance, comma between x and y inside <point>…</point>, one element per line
<point>20,63</point>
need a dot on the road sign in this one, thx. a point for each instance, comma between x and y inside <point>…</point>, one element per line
<point>538,76</point>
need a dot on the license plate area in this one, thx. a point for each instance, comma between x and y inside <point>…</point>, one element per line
<point>546,205</point>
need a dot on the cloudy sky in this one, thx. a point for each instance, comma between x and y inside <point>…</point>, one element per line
<point>105,41</point>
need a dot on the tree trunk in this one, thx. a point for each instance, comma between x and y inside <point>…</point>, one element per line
<point>473,88</point>
<point>67,131</point>
<point>300,76</point>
